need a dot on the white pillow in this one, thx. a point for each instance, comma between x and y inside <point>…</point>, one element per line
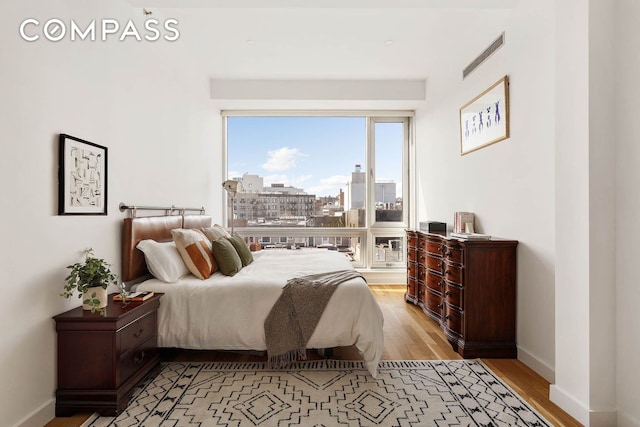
<point>163,260</point>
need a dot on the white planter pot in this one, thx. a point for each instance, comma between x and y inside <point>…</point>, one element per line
<point>101,294</point>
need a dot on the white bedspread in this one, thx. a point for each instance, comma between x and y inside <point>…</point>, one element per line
<point>228,313</point>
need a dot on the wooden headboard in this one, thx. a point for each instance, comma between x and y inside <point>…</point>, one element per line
<point>157,228</point>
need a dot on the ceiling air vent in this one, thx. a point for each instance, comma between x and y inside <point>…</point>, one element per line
<point>483,56</point>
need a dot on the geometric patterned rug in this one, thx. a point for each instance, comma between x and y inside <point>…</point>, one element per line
<point>325,393</point>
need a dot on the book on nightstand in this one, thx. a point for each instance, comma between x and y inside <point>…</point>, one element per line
<point>134,296</point>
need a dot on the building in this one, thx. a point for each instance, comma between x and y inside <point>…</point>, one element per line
<point>354,194</point>
<point>562,184</point>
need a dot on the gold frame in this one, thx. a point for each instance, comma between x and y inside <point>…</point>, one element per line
<point>489,127</point>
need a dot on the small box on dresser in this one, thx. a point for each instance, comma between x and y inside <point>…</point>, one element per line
<point>102,358</point>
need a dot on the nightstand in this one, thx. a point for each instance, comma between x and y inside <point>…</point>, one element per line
<point>102,358</point>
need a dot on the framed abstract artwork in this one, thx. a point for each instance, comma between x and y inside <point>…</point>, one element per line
<point>82,177</point>
<point>485,119</point>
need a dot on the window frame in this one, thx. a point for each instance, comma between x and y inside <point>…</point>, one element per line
<point>372,228</point>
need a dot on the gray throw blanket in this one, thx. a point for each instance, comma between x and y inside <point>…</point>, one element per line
<point>295,315</point>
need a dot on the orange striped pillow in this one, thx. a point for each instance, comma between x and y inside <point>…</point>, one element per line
<point>195,250</point>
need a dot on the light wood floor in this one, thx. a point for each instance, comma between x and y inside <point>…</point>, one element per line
<point>408,334</point>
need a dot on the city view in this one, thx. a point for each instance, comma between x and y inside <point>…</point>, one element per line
<point>303,178</point>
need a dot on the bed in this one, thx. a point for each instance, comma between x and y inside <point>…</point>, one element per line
<point>228,312</point>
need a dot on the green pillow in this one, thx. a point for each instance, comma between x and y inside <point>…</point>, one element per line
<point>227,259</point>
<point>243,250</point>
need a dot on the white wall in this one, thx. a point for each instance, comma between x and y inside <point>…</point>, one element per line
<point>627,205</point>
<point>509,185</point>
<point>153,113</point>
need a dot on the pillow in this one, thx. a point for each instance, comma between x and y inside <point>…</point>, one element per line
<point>195,251</point>
<point>243,250</point>
<point>216,232</point>
<point>227,258</point>
<point>163,260</point>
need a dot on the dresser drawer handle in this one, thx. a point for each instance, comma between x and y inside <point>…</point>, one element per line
<point>440,305</point>
<point>139,333</point>
<point>440,283</point>
<point>447,272</point>
<point>448,253</point>
<point>139,358</point>
<point>447,293</point>
<point>448,317</point>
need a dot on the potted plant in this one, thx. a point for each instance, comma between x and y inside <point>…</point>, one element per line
<point>90,278</point>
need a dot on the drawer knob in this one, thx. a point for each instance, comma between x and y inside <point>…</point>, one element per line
<point>448,317</point>
<point>447,272</point>
<point>139,333</point>
<point>440,283</point>
<point>448,253</point>
<point>447,293</point>
<point>440,305</point>
<point>139,358</point>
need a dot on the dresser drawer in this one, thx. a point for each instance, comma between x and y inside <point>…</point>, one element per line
<point>453,319</point>
<point>412,255</point>
<point>136,359</point>
<point>434,303</point>
<point>422,257</point>
<point>453,296</point>
<point>434,247</point>
<point>434,282</point>
<point>137,332</point>
<point>412,271</point>
<point>453,254</point>
<point>434,264</point>
<point>453,273</point>
<point>412,241</point>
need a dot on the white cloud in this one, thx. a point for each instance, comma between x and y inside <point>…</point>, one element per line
<point>282,159</point>
<point>329,186</point>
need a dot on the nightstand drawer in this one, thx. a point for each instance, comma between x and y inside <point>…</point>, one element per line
<point>134,360</point>
<point>137,332</point>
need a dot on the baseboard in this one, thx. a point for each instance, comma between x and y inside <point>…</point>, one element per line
<point>385,277</point>
<point>603,418</point>
<point>540,367</point>
<point>584,415</point>
<point>625,420</point>
<point>569,404</point>
<point>40,416</point>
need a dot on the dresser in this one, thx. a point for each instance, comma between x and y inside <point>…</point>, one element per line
<point>102,358</point>
<point>469,288</point>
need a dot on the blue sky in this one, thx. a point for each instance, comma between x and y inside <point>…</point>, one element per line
<point>316,154</point>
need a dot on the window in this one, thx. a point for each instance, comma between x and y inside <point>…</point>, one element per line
<point>332,182</point>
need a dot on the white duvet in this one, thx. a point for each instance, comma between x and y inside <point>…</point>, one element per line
<point>228,313</point>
